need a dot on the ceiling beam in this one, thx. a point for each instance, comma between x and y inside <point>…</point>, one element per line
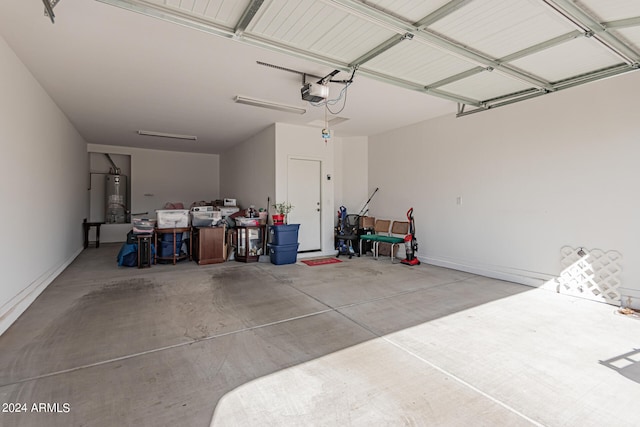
<point>48,9</point>
<point>564,84</point>
<point>594,76</point>
<point>521,54</point>
<point>423,35</point>
<point>171,15</point>
<point>501,104</point>
<point>418,88</point>
<point>452,97</point>
<point>593,29</point>
<point>419,32</point>
<point>512,57</point>
<point>623,23</point>
<point>248,14</point>
<point>372,15</point>
<point>177,17</point>
<point>383,47</point>
<point>514,95</point>
<point>488,63</point>
<point>440,13</point>
<point>542,46</point>
<point>463,75</point>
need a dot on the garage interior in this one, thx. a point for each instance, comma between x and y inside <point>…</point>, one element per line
<point>523,195</point>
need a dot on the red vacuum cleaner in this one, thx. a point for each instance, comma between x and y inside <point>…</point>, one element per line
<point>410,242</point>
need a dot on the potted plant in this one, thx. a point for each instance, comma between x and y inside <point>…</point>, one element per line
<point>282,210</point>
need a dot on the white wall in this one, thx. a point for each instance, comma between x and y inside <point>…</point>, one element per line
<point>558,170</point>
<point>257,168</point>
<point>351,173</point>
<point>307,142</point>
<point>158,177</point>
<point>44,197</point>
<point>248,170</point>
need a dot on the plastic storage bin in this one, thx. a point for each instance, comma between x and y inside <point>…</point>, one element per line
<point>247,222</point>
<point>166,249</point>
<point>284,234</point>
<point>283,254</point>
<point>172,218</point>
<point>168,237</point>
<point>143,225</point>
<point>202,219</point>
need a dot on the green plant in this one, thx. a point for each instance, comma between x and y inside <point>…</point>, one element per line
<point>283,208</point>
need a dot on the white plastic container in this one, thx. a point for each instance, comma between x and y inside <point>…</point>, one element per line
<point>247,222</point>
<point>172,218</point>
<point>143,225</point>
<point>201,219</point>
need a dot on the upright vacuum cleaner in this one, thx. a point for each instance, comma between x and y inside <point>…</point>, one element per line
<point>343,247</point>
<point>410,242</point>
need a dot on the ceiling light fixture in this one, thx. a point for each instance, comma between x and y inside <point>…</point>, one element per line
<point>167,135</point>
<point>240,99</point>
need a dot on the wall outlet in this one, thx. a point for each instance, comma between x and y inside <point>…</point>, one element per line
<point>459,200</point>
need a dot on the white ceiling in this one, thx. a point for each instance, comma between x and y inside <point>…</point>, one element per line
<point>114,71</point>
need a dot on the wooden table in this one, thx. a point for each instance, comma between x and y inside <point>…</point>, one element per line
<point>86,226</point>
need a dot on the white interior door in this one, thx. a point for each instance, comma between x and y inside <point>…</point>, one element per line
<point>304,182</point>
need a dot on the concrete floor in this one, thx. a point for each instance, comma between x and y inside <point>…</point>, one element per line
<point>359,343</point>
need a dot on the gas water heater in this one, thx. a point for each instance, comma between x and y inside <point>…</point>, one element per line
<point>116,199</point>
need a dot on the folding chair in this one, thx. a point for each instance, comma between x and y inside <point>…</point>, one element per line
<point>380,229</point>
<point>399,229</point>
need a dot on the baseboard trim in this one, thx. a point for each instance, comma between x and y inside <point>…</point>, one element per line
<point>523,277</point>
<point>17,305</point>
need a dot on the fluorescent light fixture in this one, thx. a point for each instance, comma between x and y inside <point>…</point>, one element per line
<point>167,135</point>
<point>240,99</point>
